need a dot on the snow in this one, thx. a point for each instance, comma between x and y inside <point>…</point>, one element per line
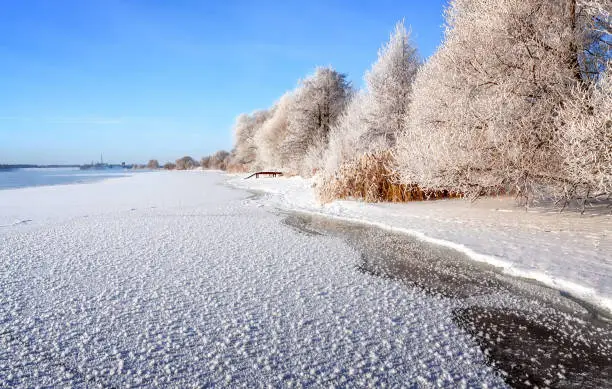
<point>565,251</point>
<point>173,279</point>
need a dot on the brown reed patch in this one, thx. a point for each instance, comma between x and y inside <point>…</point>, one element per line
<point>372,179</point>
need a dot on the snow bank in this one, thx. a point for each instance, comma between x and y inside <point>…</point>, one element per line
<point>568,252</point>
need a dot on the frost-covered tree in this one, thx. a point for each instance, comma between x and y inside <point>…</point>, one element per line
<point>219,160</point>
<point>483,117</point>
<point>389,86</point>
<point>205,162</point>
<point>232,166</point>
<point>246,127</point>
<point>359,144</point>
<point>272,134</point>
<point>153,164</point>
<point>186,163</point>
<point>317,104</point>
<point>350,137</point>
<point>169,166</point>
<point>374,117</point>
<point>586,139</point>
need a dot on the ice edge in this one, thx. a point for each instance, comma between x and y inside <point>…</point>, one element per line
<point>569,288</point>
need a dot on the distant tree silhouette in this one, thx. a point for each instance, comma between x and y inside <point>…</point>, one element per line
<point>186,163</point>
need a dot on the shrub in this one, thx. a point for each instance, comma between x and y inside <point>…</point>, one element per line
<point>186,163</point>
<point>205,162</point>
<point>219,160</point>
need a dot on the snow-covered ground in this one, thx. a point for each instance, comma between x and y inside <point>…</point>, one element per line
<point>176,280</point>
<point>567,251</point>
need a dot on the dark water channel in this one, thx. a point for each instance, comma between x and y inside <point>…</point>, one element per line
<point>533,335</point>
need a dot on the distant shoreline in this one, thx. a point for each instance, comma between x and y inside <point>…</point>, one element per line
<point>17,178</point>
<point>25,166</point>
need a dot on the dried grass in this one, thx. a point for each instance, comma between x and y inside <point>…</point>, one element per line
<point>372,179</point>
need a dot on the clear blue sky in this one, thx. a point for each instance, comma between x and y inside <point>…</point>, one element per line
<point>141,79</point>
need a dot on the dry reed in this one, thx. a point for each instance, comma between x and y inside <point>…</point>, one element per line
<point>372,179</point>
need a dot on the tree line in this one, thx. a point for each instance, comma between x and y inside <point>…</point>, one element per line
<point>216,161</point>
<point>516,100</point>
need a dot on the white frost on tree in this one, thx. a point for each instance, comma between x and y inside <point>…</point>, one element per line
<point>586,139</point>
<point>484,106</point>
<point>317,104</point>
<point>389,85</point>
<point>374,117</point>
<point>347,139</point>
<point>272,133</point>
<point>218,160</point>
<point>245,152</point>
<point>186,163</point>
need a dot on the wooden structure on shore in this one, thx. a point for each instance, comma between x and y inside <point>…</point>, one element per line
<point>257,174</point>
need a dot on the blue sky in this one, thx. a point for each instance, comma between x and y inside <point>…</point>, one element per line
<point>143,79</point>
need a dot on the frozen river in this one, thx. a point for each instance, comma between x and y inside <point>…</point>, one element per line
<point>175,280</point>
<point>30,177</point>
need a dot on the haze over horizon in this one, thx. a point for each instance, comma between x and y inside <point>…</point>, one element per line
<point>144,80</point>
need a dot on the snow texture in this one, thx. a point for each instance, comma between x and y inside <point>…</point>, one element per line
<point>172,279</point>
<point>565,251</point>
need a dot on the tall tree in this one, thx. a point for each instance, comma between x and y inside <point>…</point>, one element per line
<point>273,132</point>
<point>318,102</point>
<point>246,127</point>
<point>389,85</point>
<point>376,116</point>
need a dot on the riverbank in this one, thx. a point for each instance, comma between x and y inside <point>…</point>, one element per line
<point>565,251</point>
